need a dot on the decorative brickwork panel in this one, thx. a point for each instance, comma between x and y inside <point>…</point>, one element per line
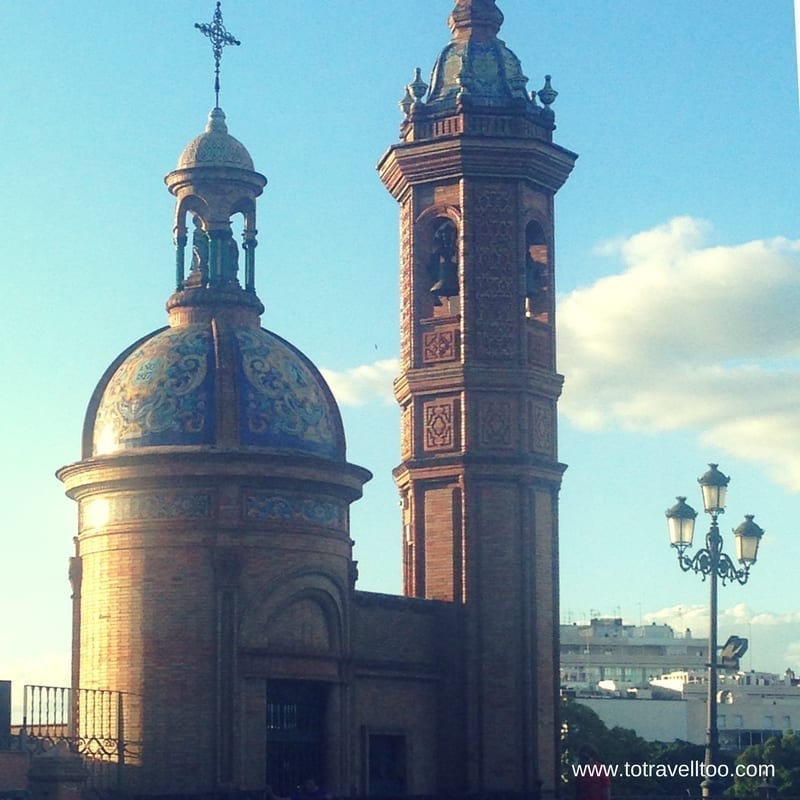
<point>440,346</point>
<point>494,272</point>
<point>440,424</point>
<point>542,428</point>
<point>287,506</point>
<point>406,299</point>
<point>99,511</point>
<point>496,423</point>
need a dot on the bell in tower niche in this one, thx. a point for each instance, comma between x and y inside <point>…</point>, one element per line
<point>444,260</point>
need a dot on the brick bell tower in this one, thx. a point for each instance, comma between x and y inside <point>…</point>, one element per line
<point>475,174</point>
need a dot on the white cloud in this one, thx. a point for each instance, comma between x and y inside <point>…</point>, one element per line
<point>363,384</point>
<point>688,336</point>
<point>792,654</point>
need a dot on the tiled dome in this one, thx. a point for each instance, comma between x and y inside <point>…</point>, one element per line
<point>476,66</point>
<point>216,147</point>
<point>167,391</point>
<point>488,72</point>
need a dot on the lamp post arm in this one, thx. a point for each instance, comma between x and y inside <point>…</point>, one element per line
<point>728,571</point>
<point>714,542</point>
<point>710,560</point>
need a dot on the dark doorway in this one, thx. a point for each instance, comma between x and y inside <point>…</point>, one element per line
<point>295,724</point>
<point>387,765</point>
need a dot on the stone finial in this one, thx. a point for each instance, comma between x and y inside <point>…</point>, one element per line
<point>406,103</point>
<point>418,87</point>
<point>479,20</point>
<point>547,94</point>
<point>415,94</point>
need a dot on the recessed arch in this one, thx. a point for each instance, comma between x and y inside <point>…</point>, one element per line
<point>538,273</point>
<point>438,256</point>
<point>310,602</point>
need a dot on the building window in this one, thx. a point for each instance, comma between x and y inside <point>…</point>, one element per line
<point>295,719</point>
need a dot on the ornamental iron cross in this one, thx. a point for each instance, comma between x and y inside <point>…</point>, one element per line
<point>215,31</point>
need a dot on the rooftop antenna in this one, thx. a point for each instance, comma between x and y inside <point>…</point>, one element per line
<point>219,37</point>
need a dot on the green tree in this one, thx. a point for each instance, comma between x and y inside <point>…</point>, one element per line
<point>781,754</point>
<point>580,725</point>
<point>673,756</point>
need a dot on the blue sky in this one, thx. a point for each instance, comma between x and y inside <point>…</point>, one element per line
<point>678,266</point>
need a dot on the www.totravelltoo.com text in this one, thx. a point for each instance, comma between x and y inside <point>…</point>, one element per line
<point>694,769</point>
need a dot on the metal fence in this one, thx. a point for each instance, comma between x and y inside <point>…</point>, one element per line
<point>91,722</point>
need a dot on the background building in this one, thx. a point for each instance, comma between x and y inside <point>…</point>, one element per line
<point>648,679</point>
<point>629,656</point>
<point>753,706</point>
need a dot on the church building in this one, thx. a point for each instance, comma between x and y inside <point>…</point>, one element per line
<point>214,588</point>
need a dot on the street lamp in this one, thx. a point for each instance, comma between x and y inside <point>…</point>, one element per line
<point>711,562</point>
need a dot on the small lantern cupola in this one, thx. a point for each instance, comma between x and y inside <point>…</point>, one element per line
<point>215,180</point>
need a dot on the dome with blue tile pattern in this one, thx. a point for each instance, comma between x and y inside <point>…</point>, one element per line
<point>476,66</point>
<point>224,385</point>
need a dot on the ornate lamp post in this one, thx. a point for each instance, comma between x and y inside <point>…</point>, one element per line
<point>711,562</point>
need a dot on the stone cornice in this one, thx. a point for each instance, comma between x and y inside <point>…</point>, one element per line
<point>174,466</point>
<point>428,381</point>
<point>510,470</point>
<point>542,164</point>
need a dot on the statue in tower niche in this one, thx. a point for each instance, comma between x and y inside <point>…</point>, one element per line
<point>230,259</point>
<point>198,276</point>
<point>444,260</point>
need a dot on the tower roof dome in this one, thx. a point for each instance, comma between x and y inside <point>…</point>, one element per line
<point>476,64</point>
<point>215,147</point>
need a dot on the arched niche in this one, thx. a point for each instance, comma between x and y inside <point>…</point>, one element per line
<point>538,274</point>
<point>214,252</point>
<point>247,208</point>
<point>438,262</point>
<point>191,213</point>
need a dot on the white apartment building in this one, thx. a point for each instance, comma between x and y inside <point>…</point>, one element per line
<point>620,656</point>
